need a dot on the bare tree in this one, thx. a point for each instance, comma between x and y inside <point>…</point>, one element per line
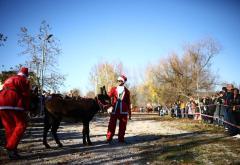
<point>178,78</point>
<point>134,95</point>
<point>105,74</point>
<point>3,39</point>
<point>90,94</point>
<point>75,93</point>
<point>43,50</point>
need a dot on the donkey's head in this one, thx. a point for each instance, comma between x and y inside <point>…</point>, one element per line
<point>34,101</point>
<point>103,99</point>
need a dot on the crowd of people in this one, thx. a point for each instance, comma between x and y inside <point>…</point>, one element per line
<point>222,108</point>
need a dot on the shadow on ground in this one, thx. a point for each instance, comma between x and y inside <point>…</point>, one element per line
<point>140,148</point>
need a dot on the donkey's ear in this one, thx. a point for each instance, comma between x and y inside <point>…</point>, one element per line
<point>101,90</point>
<point>104,90</point>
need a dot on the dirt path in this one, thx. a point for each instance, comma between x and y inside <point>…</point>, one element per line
<point>150,140</point>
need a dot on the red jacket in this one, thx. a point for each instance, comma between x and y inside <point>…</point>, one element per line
<point>15,94</point>
<point>123,106</point>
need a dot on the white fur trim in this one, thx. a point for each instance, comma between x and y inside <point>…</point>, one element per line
<point>22,74</point>
<point>120,79</point>
<point>10,108</point>
<point>120,89</point>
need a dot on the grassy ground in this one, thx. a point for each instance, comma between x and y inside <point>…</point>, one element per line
<point>205,144</point>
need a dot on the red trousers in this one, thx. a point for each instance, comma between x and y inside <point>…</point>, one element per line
<point>15,125</point>
<point>112,126</point>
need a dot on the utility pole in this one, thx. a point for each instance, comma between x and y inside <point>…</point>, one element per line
<point>42,70</point>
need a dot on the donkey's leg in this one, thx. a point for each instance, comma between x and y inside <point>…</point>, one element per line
<point>86,133</point>
<point>55,126</point>
<point>47,126</point>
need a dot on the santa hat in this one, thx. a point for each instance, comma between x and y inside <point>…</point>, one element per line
<point>122,78</point>
<point>23,72</point>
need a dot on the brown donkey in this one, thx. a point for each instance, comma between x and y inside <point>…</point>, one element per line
<point>83,109</point>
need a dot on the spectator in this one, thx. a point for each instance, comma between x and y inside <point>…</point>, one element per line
<point>218,114</point>
<point>182,108</point>
<point>236,109</point>
<point>228,112</point>
<point>189,109</point>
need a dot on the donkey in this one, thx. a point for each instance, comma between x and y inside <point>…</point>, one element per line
<point>34,102</point>
<point>84,109</point>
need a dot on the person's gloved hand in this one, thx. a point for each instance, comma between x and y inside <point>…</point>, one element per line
<point>110,110</point>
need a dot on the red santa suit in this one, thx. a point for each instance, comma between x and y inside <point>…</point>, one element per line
<point>14,100</point>
<point>121,109</point>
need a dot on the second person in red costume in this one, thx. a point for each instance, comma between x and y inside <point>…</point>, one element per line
<point>120,97</point>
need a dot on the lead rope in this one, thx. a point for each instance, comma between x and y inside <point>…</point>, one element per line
<point>101,105</point>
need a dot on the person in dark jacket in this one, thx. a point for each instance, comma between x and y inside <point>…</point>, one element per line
<point>228,115</point>
<point>236,109</point>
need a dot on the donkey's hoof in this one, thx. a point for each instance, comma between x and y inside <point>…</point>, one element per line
<point>89,144</point>
<point>60,145</point>
<point>47,146</point>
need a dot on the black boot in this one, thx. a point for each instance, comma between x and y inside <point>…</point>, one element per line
<point>13,155</point>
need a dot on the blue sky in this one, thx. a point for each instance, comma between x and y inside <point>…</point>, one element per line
<point>135,32</point>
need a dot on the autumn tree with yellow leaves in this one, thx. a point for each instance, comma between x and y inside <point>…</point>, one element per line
<point>105,74</point>
<point>179,77</point>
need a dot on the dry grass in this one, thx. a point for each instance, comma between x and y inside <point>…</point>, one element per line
<point>206,144</point>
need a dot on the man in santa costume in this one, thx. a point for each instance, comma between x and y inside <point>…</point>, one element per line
<point>120,97</point>
<point>14,100</point>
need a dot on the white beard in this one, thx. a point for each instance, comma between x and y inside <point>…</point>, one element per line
<point>120,89</point>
